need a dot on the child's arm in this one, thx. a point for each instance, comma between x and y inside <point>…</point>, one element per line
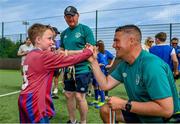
<point>72,52</point>
<point>111,63</point>
<point>52,61</point>
<point>74,59</point>
<point>69,52</point>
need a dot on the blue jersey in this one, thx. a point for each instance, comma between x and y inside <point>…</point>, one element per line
<point>57,43</point>
<point>177,50</point>
<point>104,59</point>
<point>164,52</point>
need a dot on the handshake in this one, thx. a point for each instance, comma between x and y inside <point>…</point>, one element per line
<point>94,51</point>
<point>72,52</point>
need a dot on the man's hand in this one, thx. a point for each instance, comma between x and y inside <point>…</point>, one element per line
<point>93,49</point>
<point>116,103</point>
<point>108,66</point>
<point>90,47</point>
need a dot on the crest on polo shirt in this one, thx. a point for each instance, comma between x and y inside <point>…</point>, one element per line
<point>78,34</point>
<point>137,79</point>
<point>124,74</point>
<point>65,36</point>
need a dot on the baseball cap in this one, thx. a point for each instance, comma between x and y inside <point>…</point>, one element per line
<point>56,30</point>
<point>70,10</point>
<point>99,42</point>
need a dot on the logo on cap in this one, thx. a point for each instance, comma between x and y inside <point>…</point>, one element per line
<point>69,9</point>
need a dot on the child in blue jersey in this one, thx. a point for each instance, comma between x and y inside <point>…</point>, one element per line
<point>105,60</point>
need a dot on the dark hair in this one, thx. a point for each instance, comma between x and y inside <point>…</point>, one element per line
<point>56,30</point>
<point>161,36</point>
<point>27,38</point>
<point>100,45</point>
<point>174,38</point>
<point>130,29</point>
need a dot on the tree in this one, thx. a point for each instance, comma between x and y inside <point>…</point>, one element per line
<point>8,49</point>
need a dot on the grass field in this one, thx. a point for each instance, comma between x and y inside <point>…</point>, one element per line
<point>10,81</point>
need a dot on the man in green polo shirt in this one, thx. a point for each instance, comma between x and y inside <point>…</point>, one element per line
<point>75,37</point>
<point>148,81</point>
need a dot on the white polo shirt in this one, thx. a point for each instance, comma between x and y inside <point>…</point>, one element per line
<point>24,48</point>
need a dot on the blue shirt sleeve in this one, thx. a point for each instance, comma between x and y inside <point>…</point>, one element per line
<point>57,43</point>
<point>109,55</point>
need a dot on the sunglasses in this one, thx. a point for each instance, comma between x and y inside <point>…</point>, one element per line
<point>174,43</point>
<point>151,41</point>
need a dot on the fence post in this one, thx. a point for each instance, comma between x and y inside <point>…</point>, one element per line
<point>170,32</point>
<point>2,29</point>
<point>96,25</point>
<point>20,37</point>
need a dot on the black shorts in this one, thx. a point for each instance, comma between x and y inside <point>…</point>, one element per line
<point>130,117</point>
<point>81,83</point>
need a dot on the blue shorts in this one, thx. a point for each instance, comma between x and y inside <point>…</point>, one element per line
<point>104,70</point>
<point>80,84</point>
<point>95,83</point>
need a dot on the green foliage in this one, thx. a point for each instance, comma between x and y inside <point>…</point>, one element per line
<point>8,49</point>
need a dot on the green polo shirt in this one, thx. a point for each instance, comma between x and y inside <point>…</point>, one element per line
<point>76,39</point>
<point>147,79</point>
